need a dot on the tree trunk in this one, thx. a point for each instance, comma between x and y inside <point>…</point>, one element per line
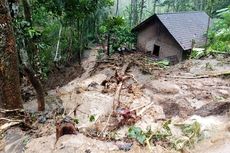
<point>108,43</point>
<point>154,6</point>
<point>142,8</point>
<point>9,65</point>
<point>57,56</point>
<point>79,41</point>
<point>31,47</point>
<point>37,86</point>
<point>134,12</point>
<point>117,8</point>
<point>27,11</point>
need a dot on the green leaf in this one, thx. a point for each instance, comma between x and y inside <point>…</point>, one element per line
<point>141,138</point>
<point>92,118</point>
<point>163,63</point>
<point>76,120</point>
<point>137,133</point>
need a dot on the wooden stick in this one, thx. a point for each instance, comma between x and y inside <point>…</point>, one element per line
<point>117,94</point>
<point>144,109</point>
<point>119,87</point>
<point>202,76</point>
<point>107,122</point>
<point>6,126</point>
<point>11,111</point>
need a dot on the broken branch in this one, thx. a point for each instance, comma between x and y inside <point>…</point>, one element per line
<point>225,73</point>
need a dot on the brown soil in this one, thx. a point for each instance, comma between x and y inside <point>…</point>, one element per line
<point>60,77</point>
<point>164,93</point>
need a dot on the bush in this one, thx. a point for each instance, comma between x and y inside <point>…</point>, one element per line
<point>219,34</point>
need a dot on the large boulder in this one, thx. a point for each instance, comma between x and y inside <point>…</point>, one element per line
<point>164,87</point>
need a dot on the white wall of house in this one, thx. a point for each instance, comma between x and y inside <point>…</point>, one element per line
<point>156,34</point>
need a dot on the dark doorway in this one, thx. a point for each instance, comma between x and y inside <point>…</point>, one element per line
<point>156,50</point>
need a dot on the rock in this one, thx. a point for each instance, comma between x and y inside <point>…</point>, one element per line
<point>175,109</point>
<point>159,98</point>
<point>81,143</point>
<point>124,146</point>
<point>224,93</point>
<point>148,122</point>
<point>90,103</point>
<point>42,119</point>
<point>96,80</point>
<point>218,108</point>
<point>41,145</point>
<point>196,104</point>
<point>52,103</point>
<point>164,87</point>
<point>14,141</point>
<point>121,133</point>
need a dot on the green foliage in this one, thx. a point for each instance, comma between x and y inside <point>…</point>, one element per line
<point>76,120</point>
<point>164,132</point>
<point>219,34</point>
<point>123,37</point>
<point>79,19</point>
<point>119,32</point>
<point>141,137</point>
<point>100,53</point>
<point>191,130</point>
<point>163,63</point>
<point>111,23</point>
<point>191,134</point>
<point>137,133</point>
<point>92,118</point>
<point>197,53</point>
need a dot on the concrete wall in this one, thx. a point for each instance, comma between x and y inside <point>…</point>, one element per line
<point>158,35</point>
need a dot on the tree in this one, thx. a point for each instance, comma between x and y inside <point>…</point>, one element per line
<point>31,46</point>
<point>142,8</point>
<point>134,12</point>
<point>117,8</point>
<point>219,34</point>
<point>154,6</point>
<point>109,27</point>
<point>9,65</point>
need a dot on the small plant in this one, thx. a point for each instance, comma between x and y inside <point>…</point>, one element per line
<point>163,63</point>
<point>191,133</point>
<point>197,53</point>
<point>219,33</point>
<point>138,134</point>
<point>26,141</point>
<point>92,118</point>
<point>76,120</point>
<point>208,66</point>
<point>100,54</point>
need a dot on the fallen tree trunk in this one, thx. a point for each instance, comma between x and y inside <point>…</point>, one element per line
<point>121,78</point>
<point>225,73</point>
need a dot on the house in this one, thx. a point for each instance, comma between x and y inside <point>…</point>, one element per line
<point>172,35</point>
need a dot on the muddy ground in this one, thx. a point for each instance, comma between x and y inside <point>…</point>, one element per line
<point>182,94</point>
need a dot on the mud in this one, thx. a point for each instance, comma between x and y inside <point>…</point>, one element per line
<point>162,96</point>
<point>218,108</point>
